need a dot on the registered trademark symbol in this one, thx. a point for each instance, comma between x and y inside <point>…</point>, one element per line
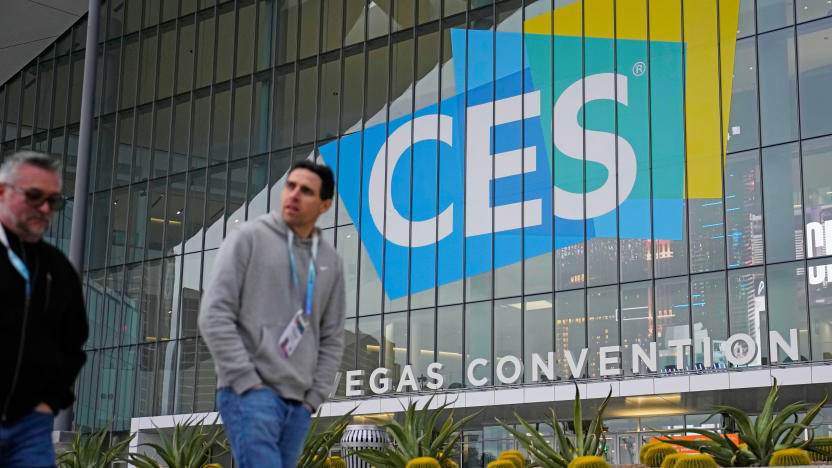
<point>639,68</point>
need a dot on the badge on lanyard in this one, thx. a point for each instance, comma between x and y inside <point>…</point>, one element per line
<point>16,261</point>
<point>291,336</point>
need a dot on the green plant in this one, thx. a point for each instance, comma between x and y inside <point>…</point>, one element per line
<point>670,460</point>
<point>501,463</point>
<point>335,462</point>
<point>790,457</point>
<point>696,460</point>
<point>821,452</point>
<point>589,461</point>
<point>423,462</point>
<point>189,446</point>
<point>91,452</point>
<point>769,433</point>
<point>644,448</point>
<point>417,436</point>
<point>590,442</point>
<point>317,445</point>
<point>656,454</point>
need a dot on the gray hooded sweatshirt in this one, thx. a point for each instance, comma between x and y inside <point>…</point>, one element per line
<point>250,300</point>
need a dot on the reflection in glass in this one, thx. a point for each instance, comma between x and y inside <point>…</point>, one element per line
<point>478,339</point>
<point>783,203</point>
<point>369,346</point>
<point>570,330</point>
<point>747,312</point>
<point>449,344</point>
<point>508,336</point>
<point>778,87</point>
<point>637,323</point>
<point>743,209</point>
<point>421,344</point>
<point>787,306</point>
<point>538,331</point>
<point>815,59</point>
<point>602,326</point>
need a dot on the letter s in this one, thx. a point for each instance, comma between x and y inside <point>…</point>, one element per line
<point>600,147</point>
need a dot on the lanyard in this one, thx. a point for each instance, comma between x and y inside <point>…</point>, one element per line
<point>16,261</point>
<point>310,282</point>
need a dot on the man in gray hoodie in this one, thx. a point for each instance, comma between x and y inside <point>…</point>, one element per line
<point>273,319</point>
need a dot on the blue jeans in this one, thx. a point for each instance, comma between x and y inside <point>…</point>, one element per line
<point>27,441</point>
<point>264,429</point>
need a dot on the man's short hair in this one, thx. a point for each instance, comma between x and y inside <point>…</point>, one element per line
<point>323,171</point>
<point>11,165</point>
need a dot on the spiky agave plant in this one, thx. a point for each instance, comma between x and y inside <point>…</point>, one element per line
<point>317,445</point>
<point>417,436</point>
<point>189,446</point>
<point>769,433</point>
<point>590,443</point>
<point>91,451</point>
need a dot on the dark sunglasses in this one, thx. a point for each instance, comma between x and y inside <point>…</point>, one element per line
<point>35,198</point>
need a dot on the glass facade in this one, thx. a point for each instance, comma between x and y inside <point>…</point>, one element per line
<point>687,170</point>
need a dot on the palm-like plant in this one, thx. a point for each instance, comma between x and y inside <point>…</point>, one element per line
<point>91,451</point>
<point>586,443</point>
<point>769,433</point>
<point>189,446</point>
<point>316,446</point>
<point>417,437</point>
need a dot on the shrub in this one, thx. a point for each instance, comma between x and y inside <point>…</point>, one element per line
<point>696,460</point>
<point>589,461</point>
<point>790,457</point>
<point>423,462</point>
<point>670,460</point>
<point>656,454</point>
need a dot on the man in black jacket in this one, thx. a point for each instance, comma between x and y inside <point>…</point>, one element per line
<point>43,323</point>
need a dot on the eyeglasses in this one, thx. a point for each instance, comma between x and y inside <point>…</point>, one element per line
<point>36,198</point>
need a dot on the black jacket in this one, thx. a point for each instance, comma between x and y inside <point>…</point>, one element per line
<point>40,349</point>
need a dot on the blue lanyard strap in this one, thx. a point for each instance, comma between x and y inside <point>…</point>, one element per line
<point>310,282</point>
<point>16,261</point>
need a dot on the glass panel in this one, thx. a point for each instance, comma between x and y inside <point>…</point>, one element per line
<point>13,109</point>
<point>602,329</point>
<point>205,49</point>
<point>174,219</point>
<point>151,296</point>
<point>156,219</point>
<point>811,9</point>
<point>284,99</point>
<point>376,99</point>
<point>61,89</point>
<point>245,38</point>
<point>787,306</point>
<point>355,20</point>
<point>347,245</point>
<point>783,204</point>
<point>132,15</point>
<point>636,321</point>
<point>118,226</point>
<point>193,227</point>
<point>570,330</point>
<point>309,26</point>
<point>241,120</point>
<point>403,11</point>
<point>820,308</point>
<point>352,100</point>
<point>265,34</point>
<point>179,146</point>
<point>742,128</point>
<point>421,344</point>
<point>147,67</point>
<point>133,307</point>
<point>98,230</point>
<point>709,316</point>
<point>129,72</point>
<point>508,341</point>
<point>815,59</point>
<point>191,289</point>
<point>258,195</point>
<point>307,95</point>
<point>747,22</point>
<point>161,143</point>
<point>185,376</point>
<point>110,68</point>
<point>747,312</point>
<point>137,228</point>
<point>185,66</point>
<point>75,88</point>
<point>743,209</point>
<point>235,203</point>
<point>206,381</point>
<point>102,162</point>
<point>260,122</point>
<point>200,129</point>
<point>449,344</point>
<point>672,322</point>
<point>167,61</point>
<point>44,100</point>
<point>538,331</point>
<point>817,191</point>
<point>378,13</point>
<point>778,91</point>
<point>329,92</point>
<point>215,206</point>
<point>287,31</point>
<point>773,14</point>
<point>279,164</point>
<point>225,43</point>
<point>141,151</point>
<point>369,346</point>
<point>478,339</point>
<point>331,17</point>
<point>220,122</point>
